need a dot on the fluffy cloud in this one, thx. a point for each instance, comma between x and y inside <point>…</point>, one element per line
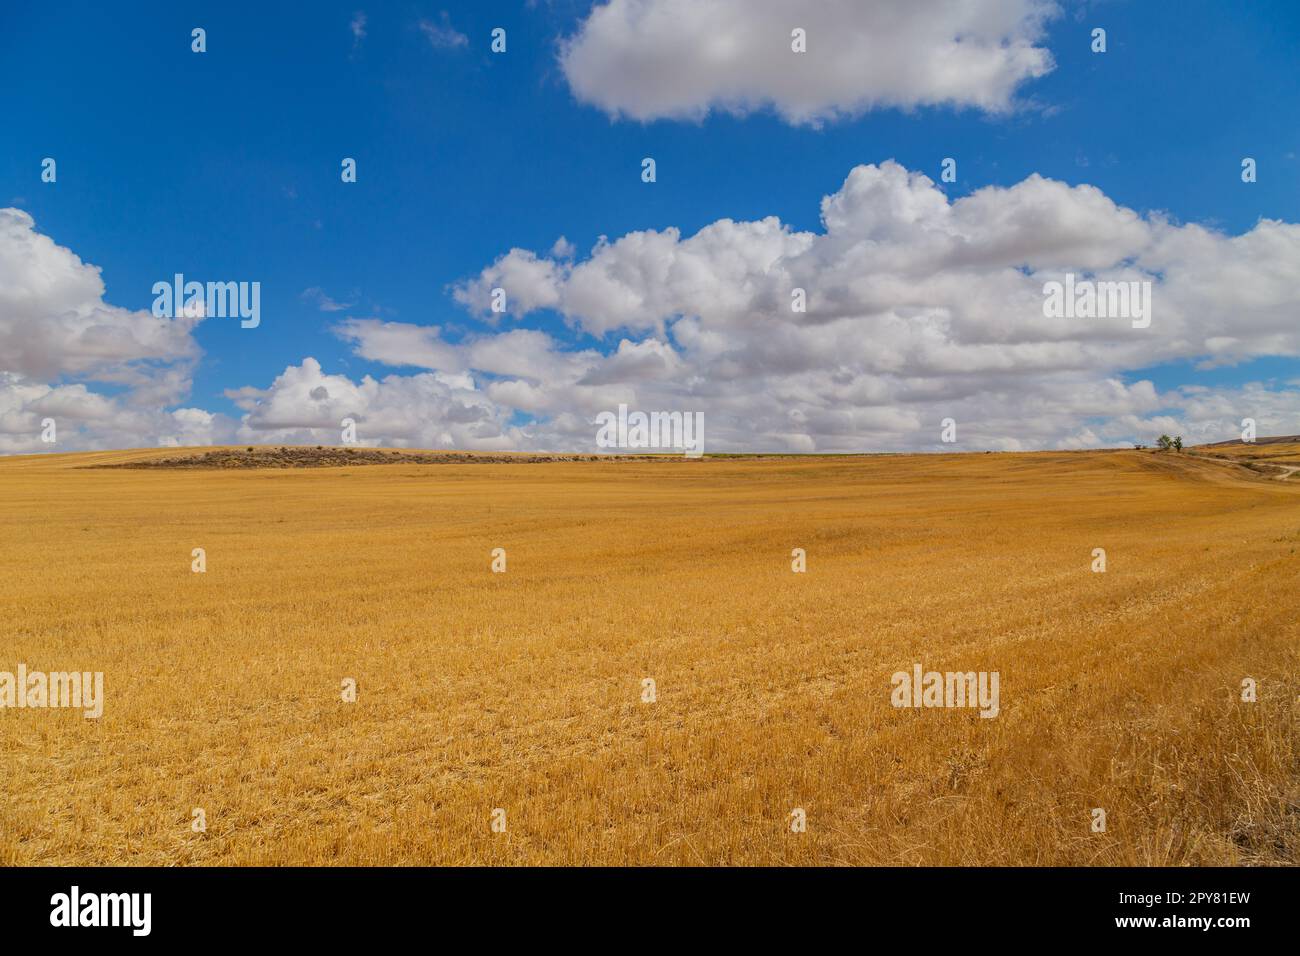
<point>648,59</point>
<point>530,280</point>
<point>918,309</point>
<point>86,420</point>
<point>54,321</point>
<point>57,333</point>
<point>304,405</point>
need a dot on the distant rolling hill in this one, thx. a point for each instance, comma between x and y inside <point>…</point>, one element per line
<point>1274,440</point>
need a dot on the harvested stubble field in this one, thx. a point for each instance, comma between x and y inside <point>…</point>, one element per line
<point>478,690</point>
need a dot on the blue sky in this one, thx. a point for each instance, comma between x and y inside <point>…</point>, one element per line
<point>225,165</point>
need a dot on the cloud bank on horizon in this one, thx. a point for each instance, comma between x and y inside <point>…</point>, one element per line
<point>919,307</point>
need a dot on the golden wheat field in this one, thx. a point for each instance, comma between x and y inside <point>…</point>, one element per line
<point>523,690</point>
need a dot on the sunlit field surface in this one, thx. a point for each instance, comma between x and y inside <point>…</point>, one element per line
<point>523,690</point>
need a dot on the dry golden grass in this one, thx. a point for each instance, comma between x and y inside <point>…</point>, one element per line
<point>1242,450</point>
<point>522,690</point>
<point>1274,459</point>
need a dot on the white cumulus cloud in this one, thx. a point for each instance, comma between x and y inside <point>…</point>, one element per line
<point>650,59</point>
<point>58,337</point>
<point>918,308</point>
